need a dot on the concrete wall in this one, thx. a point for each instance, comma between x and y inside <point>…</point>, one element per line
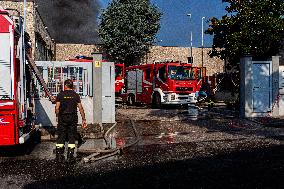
<point>213,65</point>
<point>67,51</point>
<point>275,86</point>
<point>34,27</point>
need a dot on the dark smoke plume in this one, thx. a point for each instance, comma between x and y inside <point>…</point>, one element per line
<point>71,21</point>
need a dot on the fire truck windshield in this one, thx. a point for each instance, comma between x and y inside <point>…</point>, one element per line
<point>180,73</point>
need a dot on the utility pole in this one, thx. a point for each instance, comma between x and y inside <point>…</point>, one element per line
<point>191,58</point>
<point>202,40</point>
<point>97,88</point>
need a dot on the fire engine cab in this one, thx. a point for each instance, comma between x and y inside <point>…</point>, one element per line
<point>162,83</point>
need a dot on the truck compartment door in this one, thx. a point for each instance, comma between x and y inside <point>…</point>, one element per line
<point>7,130</point>
<point>6,85</point>
<point>131,81</point>
<point>139,80</point>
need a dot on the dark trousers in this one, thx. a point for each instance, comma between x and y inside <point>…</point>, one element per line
<point>67,128</point>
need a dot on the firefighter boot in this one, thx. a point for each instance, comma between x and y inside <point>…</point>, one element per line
<point>70,155</point>
<point>60,155</point>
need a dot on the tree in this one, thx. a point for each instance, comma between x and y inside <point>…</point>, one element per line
<point>250,27</point>
<point>128,29</point>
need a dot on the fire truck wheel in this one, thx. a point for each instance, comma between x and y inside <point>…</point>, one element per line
<point>156,101</point>
<point>131,100</point>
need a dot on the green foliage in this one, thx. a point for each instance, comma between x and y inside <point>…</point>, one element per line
<point>128,29</point>
<point>251,27</point>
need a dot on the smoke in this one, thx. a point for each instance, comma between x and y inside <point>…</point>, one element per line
<point>71,21</point>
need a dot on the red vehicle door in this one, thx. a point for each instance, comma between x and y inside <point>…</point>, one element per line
<point>147,85</point>
<point>161,78</point>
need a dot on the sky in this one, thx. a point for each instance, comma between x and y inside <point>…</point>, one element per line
<point>176,25</point>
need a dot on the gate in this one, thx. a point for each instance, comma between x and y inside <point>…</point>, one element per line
<point>261,86</point>
<point>55,73</point>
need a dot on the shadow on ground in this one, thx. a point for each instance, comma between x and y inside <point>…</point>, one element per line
<point>256,168</point>
<point>21,149</point>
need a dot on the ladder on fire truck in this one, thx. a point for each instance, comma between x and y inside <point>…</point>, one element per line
<point>39,77</point>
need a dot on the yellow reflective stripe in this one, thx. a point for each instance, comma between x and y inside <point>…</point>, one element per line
<point>59,145</point>
<point>211,102</point>
<point>71,145</point>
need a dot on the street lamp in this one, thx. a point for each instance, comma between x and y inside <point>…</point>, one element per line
<point>202,40</point>
<point>191,58</point>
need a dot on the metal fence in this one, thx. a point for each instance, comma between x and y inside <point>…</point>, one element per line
<point>56,72</point>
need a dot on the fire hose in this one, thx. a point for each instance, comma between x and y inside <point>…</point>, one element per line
<point>96,154</point>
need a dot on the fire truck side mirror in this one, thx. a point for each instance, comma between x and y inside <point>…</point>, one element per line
<point>123,90</point>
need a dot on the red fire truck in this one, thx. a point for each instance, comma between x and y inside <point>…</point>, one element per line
<point>17,72</point>
<point>162,83</point>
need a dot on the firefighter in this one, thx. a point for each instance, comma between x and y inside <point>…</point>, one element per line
<point>210,98</point>
<point>206,93</point>
<point>67,102</point>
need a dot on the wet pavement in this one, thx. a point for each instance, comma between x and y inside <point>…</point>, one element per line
<point>215,151</point>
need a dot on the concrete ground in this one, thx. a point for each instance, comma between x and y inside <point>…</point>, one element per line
<point>216,150</point>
